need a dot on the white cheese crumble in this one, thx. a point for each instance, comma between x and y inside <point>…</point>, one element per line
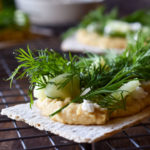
<point>85,91</point>
<point>139,93</point>
<point>116,26</point>
<point>87,106</point>
<point>135,26</point>
<point>92,27</point>
<point>122,27</point>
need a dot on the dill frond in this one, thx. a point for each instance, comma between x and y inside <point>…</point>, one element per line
<point>102,79</point>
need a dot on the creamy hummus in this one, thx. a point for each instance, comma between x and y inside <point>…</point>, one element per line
<point>102,42</point>
<point>75,114</point>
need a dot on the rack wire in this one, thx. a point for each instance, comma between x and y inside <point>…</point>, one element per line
<point>20,136</point>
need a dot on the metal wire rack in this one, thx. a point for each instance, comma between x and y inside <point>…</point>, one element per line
<point>20,136</point>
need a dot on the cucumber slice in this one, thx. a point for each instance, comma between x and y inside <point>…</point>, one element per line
<point>126,89</point>
<point>39,93</point>
<point>71,89</point>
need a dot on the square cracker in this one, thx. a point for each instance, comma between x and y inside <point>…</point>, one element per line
<point>77,133</point>
<point>71,44</point>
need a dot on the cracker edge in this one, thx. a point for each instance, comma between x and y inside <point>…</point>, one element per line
<point>71,44</point>
<point>145,113</point>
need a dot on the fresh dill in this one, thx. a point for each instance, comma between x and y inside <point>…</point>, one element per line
<point>42,67</point>
<point>103,75</point>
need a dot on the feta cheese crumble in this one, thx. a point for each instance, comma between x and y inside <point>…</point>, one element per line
<point>87,106</point>
<point>122,27</point>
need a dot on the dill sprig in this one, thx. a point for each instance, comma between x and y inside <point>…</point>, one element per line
<point>103,80</point>
<point>103,75</point>
<point>42,67</point>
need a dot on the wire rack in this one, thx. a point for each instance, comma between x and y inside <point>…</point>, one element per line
<point>19,136</point>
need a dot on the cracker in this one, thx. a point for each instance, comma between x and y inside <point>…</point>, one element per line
<point>71,44</point>
<point>77,133</point>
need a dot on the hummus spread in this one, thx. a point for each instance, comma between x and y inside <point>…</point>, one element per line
<point>103,42</point>
<point>75,114</point>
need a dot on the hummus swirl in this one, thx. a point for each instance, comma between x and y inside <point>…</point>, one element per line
<point>103,42</point>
